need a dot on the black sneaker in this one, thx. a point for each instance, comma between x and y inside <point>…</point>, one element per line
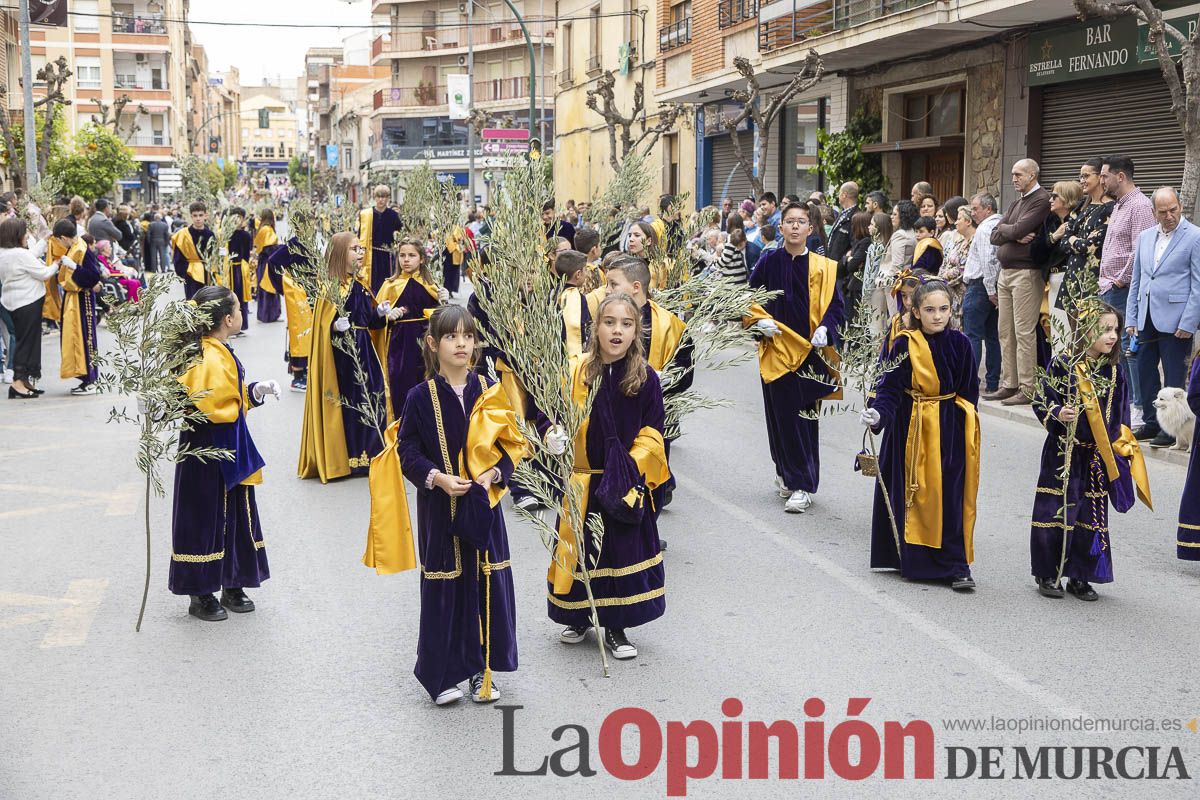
<point>621,647</point>
<point>206,607</point>
<point>1163,439</point>
<point>1145,433</point>
<point>1048,587</point>
<point>1082,589</point>
<point>477,689</point>
<point>963,584</point>
<point>574,634</point>
<point>236,601</point>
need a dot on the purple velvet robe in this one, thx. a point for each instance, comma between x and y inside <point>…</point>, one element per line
<point>957,374</point>
<point>794,439</point>
<point>269,305</point>
<point>240,244</point>
<point>639,597</point>
<point>282,259</point>
<point>86,276</point>
<point>405,362</point>
<point>203,239</point>
<point>216,539</point>
<point>456,600</point>
<point>383,230</point>
<point>361,435</point>
<point>1089,545</point>
<point>1188,544</point>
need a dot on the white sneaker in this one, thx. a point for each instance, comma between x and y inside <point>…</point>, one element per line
<point>527,503</point>
<point>573,634</point>
<point>1135,417</point>
<point>8,376</point>
<point>451,695</point>
<point>798,503</point>
<point>781,487</point>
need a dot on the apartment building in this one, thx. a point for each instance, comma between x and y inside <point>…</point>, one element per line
<point>214,110</point>
<point>318,62</point>
<point>426,41</point>
<point>351,96</point>
<point>961,89</point>
<point>125,48</point>
<point>270,130</point>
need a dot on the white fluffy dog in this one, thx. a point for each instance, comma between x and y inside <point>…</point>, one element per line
<point>1175,417</point>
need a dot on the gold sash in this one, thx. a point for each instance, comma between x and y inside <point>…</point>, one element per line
<point>924,245</point>
<point>75,344</point>
<point>648,452</point>
<point>923,454</point>
<point>1125,446</point>
<point>299,318</point>
<point>366,235</point>
<point>666,332</point>
<point>264,237</point>
<point>455,245</point>
<point>389,537</point>
<point>182,241</point>
<point>572,310</point>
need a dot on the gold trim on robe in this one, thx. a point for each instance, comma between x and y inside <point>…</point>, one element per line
<point>1125,446</point>
<point>264,237</point>
<point>183,242</point>
<point>648,452</point>
<point>923,454</point>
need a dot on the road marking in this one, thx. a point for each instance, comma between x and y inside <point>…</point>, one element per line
<point>119,502</point>
<point>70,616</point>
<point>896,607</point>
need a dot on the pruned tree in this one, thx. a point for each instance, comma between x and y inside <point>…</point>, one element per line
<point>1182,77</point>
<point>632,132</point>
<point>111,116</point>
<point>762,107</point>
<point>54,75</point>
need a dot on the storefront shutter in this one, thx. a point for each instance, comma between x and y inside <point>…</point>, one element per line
<point>1120,115</point>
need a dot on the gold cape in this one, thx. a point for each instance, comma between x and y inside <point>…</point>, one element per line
<point>182,241</point>
<point>322,436</point>
<point>1125,446</point>
<point>666,332</point>
<point>572,313</point>
<point>648,452</point>
<point>74,339</point>
<point>299,317</point>
<point>216,375</point>
<point>923,454</point>
<point>924,245</point>
<point>52,307</point>
<point>265,236</point>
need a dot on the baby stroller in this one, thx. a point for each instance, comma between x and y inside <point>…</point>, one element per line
<point>112,293</point>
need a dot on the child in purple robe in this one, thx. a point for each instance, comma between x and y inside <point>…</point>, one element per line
<point>216,540</point>
<point>405,297</point>
<point>458,443</point>
<point>925,408</point>
<point>1188,540</point>
<point>619,460</point>
<point>1104,461</point>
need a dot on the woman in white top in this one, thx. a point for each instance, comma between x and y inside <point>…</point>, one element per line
<point>22,292</point>
<point>899,254</point>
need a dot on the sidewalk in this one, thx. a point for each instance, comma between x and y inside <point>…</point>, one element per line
<point>1024,415</point>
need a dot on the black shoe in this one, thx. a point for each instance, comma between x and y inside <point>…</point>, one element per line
<point>620,646</point>
<point>662,545</point>
<point>1145,433</point>
<point>1048,587</point>
<point>1163,439</point>
<point>236,601</point>
<point>963,584</point>
<point>206,607</point>
<point>37,391</point>
<point>667,496</point>
<point>1082,589</point>
<point>16,394</point>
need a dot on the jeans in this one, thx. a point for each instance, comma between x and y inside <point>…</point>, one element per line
<point>1154,346</point>
<point>8,339</point>
<point>1117,298</point>
<point>980,319</point>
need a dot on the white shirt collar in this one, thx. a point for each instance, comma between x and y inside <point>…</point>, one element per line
<point>1032,189</point>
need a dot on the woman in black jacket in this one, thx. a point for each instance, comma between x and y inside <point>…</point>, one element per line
<point>850,269</point>
<point>1085,238</point>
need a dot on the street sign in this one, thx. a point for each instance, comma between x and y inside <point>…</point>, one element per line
<point>458,91</point>
<point>507,134</point>
<point>500,148</point>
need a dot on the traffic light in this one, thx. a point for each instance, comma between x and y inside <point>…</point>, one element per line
<point>214,144</point>
<point>535,149</point>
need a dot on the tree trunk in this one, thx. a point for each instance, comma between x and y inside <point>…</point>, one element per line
<point>1188,194</point>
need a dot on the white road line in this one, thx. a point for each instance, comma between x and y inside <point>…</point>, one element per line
<point>70,616</point>
<point>894,606</point>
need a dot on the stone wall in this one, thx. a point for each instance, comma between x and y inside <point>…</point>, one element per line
<point>984,142</point>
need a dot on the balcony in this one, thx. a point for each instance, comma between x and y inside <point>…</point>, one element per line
<point>593,66</point>
<point>138,23</point>
<point>411,96</point>
<point>675,35</point>
<point>132,81</point>
<point>786,22</point>
<point>566,76</point>
<point>497,90</point>
<point>400,42</point>
<point>731,12</point>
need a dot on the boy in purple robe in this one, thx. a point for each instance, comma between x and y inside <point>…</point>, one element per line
<point>1188,540</point>
<point>377,228</point>
<point>807,314</point>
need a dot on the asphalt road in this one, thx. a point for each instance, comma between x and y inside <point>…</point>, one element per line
<point>312,696</point>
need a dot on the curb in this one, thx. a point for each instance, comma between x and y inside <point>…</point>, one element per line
<point>1026,417</point>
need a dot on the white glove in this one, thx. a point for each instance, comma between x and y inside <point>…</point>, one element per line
<point>767,328</point>
<point>556,441</point>
<point>820,337</point>
<point>341,324</point>
<point>264,388</point>
<point>66,261</point>
<point>443,295</point>
<point>395,314</point>
<point>222,252</point>
<point>869,417</point>
<point>383,308</point>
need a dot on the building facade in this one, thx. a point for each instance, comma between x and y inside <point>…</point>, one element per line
<point>125,48</point>
<point>429,40</point>
<point>269,131</point>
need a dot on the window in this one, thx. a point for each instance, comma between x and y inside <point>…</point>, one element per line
<point>671,157</point>
<point>87,72</point>
<point>679,32</point>
<point>565,78</point>
<point>347,156</point>
<point>933,112</point>
<point>593,63</point>
<point>681,11</point>
<point>85,15</point>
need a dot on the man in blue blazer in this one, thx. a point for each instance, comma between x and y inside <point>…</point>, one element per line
<point>1164,305</point>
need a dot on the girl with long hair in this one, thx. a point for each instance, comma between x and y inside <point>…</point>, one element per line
<point>619,460</point>
<point>216,539</point>
<point>406,297</point>
<point>344,405</point>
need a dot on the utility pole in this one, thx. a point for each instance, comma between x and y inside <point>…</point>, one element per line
<point>471,89</point>
<point>31,165</point>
